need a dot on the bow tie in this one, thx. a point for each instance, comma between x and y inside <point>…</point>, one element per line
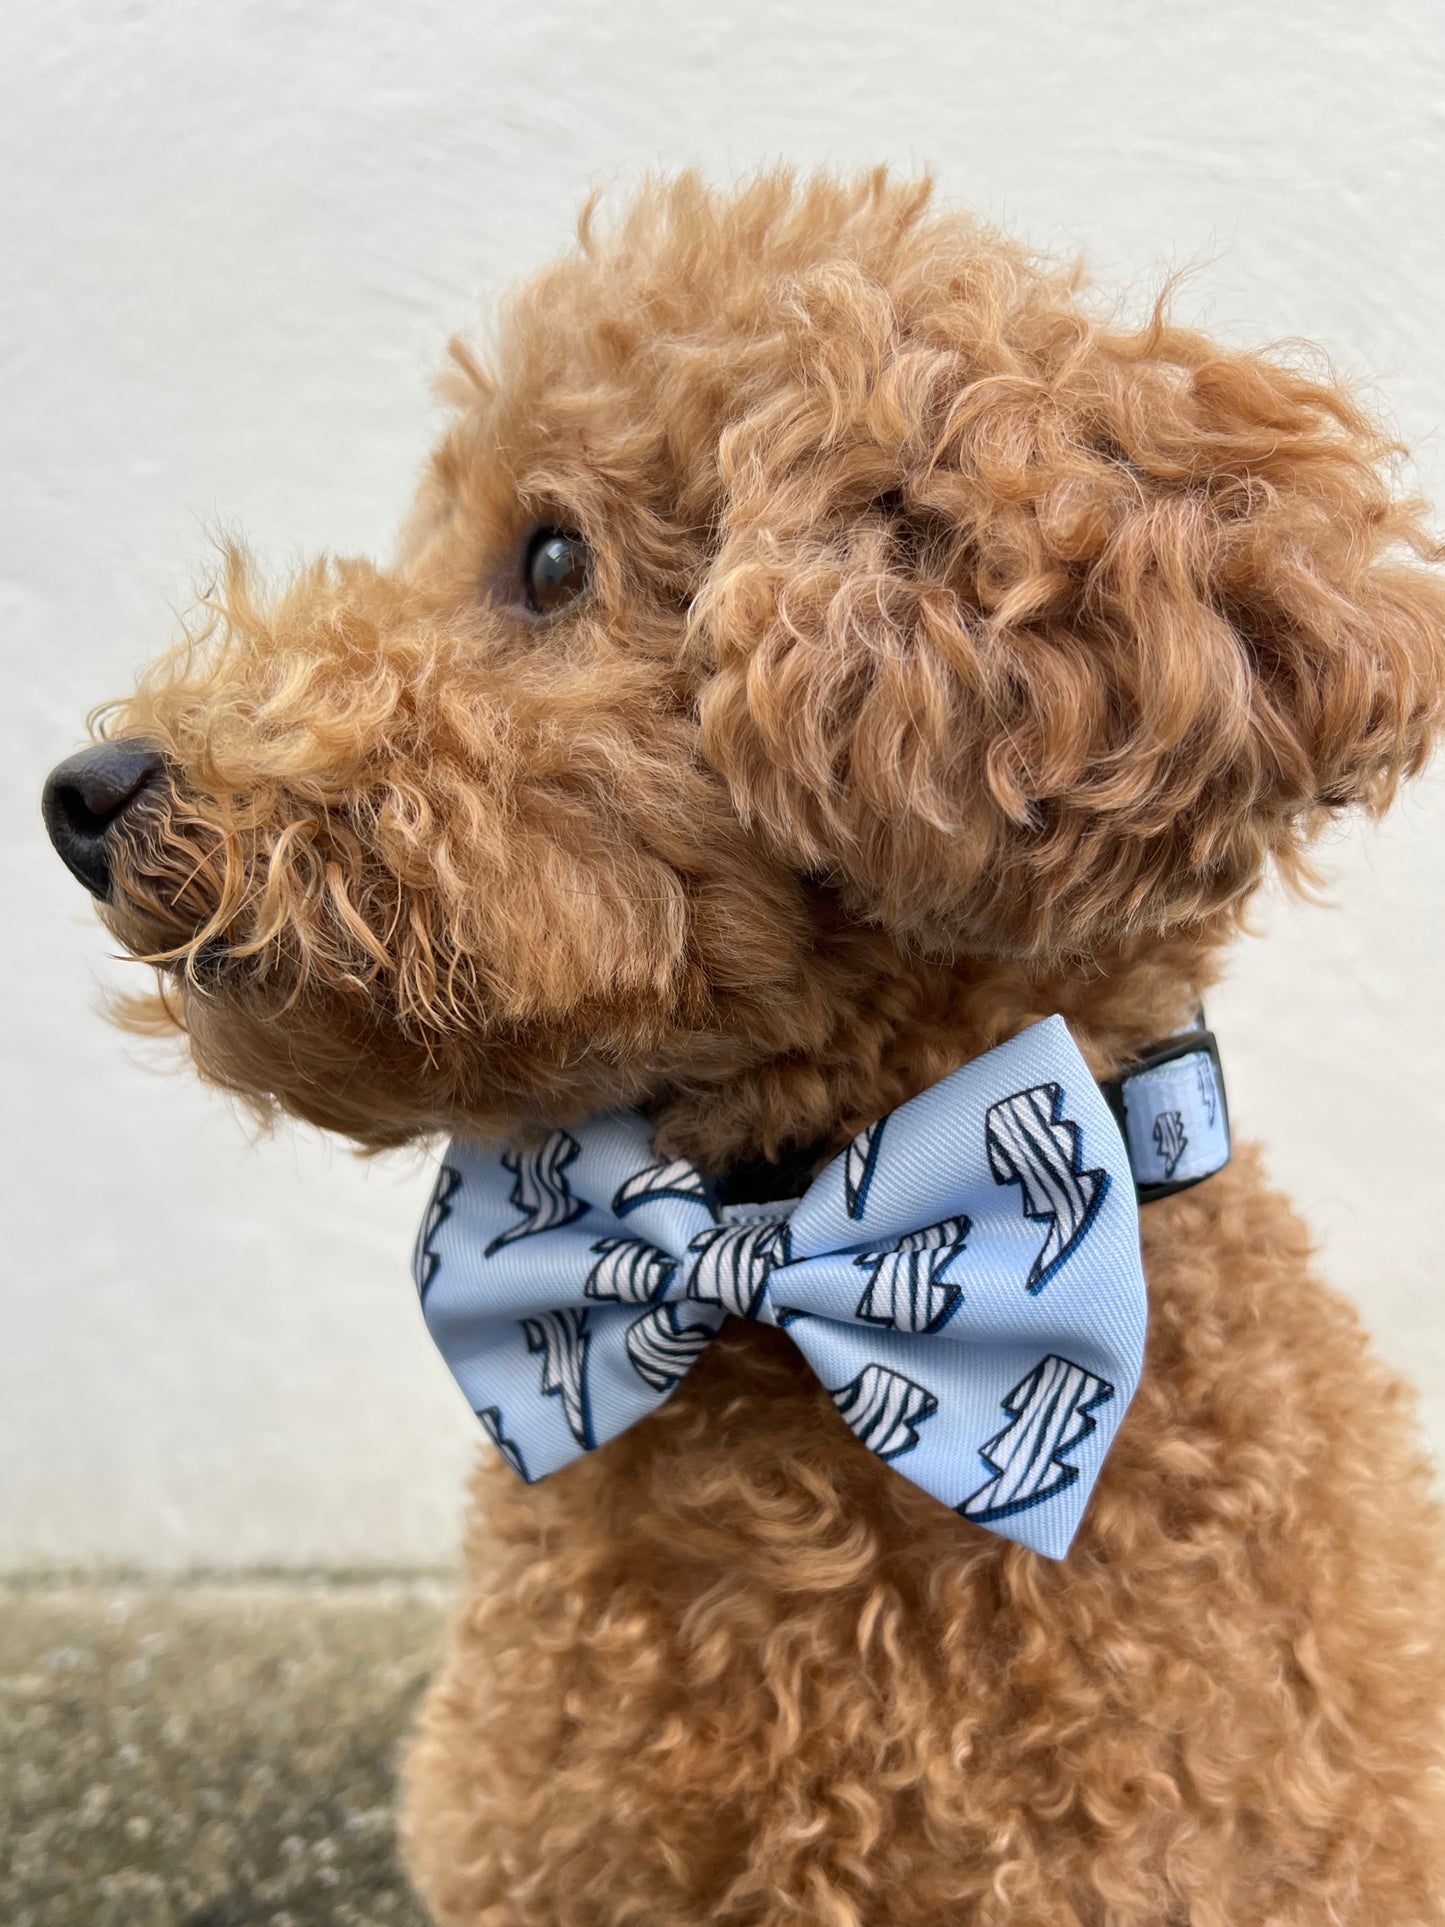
<point>964,1279</point>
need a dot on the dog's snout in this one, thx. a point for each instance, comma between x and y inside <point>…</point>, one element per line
<point>88,796</point>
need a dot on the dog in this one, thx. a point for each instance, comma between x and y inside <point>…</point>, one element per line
<point>825,646</point>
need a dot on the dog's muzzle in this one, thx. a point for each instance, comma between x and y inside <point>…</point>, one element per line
<point>87,800</point>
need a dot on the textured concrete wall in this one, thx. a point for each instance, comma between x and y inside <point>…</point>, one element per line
<point>234,237</point>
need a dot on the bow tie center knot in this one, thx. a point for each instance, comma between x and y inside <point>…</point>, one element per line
<point>730,1265</point>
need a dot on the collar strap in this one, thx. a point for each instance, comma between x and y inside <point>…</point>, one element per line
<point>1171,1107</point>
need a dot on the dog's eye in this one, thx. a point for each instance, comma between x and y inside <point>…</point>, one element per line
<point>556,570</point>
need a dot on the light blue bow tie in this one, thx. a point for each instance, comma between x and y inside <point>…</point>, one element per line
<point>964,1279</point>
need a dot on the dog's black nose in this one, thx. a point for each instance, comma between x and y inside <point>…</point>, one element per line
<point>87,796</point>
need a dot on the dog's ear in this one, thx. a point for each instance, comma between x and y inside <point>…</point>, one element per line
<point>1031,634</point>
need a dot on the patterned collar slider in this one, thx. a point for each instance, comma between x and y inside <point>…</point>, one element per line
<point>1171,1106</point>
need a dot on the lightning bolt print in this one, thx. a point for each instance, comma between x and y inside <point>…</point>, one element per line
<point>1033,1145</point>
<point>491,1418</point>
<point>664,1178</point>
<point>731,1265</point>
<point>860,1161</point>
<point>628,1270</point>
<point>1049,1414</point>
<point>884,1409</point>
<point>562,1339</point>
<point>665,1343</point>
<point>425,1260</point>
<point>540,1192</point>
<point>906,1288</point>
<point>1171,1140</point>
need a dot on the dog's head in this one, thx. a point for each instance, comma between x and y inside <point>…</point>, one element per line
<point>806,575</point>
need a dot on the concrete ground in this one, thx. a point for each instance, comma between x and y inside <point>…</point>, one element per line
<point>207,1755</point>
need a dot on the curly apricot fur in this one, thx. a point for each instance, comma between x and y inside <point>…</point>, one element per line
<point>953,654</point>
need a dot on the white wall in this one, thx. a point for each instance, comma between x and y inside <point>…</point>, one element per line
<point>232,240</point>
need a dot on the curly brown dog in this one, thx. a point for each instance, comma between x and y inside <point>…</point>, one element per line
<point>822,647</point>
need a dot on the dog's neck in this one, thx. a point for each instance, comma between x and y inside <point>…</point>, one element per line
<point>902,1024</point>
